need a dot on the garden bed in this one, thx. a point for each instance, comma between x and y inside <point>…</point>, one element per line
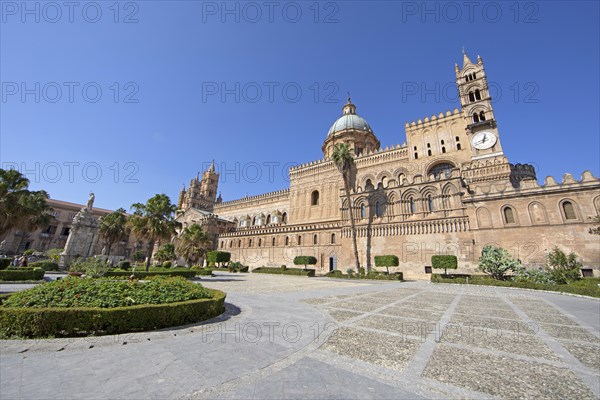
<point>80,307</point>
<point>286,271</point>
<point>584,287</point>
<point>398,276</point>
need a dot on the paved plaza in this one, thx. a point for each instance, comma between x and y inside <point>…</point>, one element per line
<point>319,338</point>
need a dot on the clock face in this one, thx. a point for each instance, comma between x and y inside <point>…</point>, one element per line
<point>484,140</point>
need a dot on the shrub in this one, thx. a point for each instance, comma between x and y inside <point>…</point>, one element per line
<point>533,276</point>
<point>80,321</point>
<point>444,262</point>
<point>167,264</point>
<point>46,265</point>
<point>305,260</point>
<point>496,261</point>
<point>5,262</point>
<point>215,257</point>
<point>124,265</point>
<point>283,267</point>
<point>361,271</point>
<point>29,252</point>
<point>288,271</point>
<point>387,262</point>
<point>564,268</point>
<point>35,274</point>
<point>54,254</point>
<point>336,273</point>
<point>139,256</point>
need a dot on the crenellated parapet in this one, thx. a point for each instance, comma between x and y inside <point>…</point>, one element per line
<point>532,187</point>
<point>433,120</point>
<point>265,197</point>
<point>520,172</point>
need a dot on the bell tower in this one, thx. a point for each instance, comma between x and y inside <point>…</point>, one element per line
<point>477,109</point>
<point>209,184</point>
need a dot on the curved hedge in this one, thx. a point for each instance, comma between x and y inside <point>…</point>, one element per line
<point>83,321</point>
<point>33,274</point>
<point>46,265</point>
<point>186,273</point>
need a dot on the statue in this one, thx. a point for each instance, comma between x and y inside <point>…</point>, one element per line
<point>90,202</point>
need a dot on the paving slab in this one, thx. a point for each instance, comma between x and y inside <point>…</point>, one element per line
<point>286,337</point>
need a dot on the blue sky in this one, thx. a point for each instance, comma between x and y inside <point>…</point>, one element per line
<point>134,100</point>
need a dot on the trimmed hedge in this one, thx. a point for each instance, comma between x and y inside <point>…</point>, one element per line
<point>288,271</point>
<point>186,273</point>
<point>398,276</point>
<point>386,261</point>
<point>215,256</point>
<point>46,265</point>
<point>84,321</point>
<point>305,260</point>
<point>5,262</point>
<point>584,287</point>
<point>36,274</point>
<point>199,271</point>
<point>444,262</point>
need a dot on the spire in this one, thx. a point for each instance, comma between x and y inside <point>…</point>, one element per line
<point>212,167</point>
<point>466,59</point>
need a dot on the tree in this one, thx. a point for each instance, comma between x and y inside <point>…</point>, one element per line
<point>193,243</point>
<point>305,260</point>
<point>344,161</point>
<point>153,221</point>
<point>113,228</point>
<point>595,230</point>
<point>165,253</point>
<point>496,261</point>
<point>387,262</point>
<point>445,262</point>
<point>217,257</point>
<point>19,207</point>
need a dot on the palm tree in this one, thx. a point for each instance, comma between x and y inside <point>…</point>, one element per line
<point>19,207</point>
<point>113,228</point>
<point>193,243</point>
<point>344,161</point>
<point>153,221</point>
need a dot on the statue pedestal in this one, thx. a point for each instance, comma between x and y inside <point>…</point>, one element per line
<point>82,237</point>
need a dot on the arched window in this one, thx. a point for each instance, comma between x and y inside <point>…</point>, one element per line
<point>299,240</point>
<point>401,179</point>
<point>477,94</point>
<point>273,242</point>
<point>411,203</point>
<point>254,221</point>
<point>475,117</point>
<point>482,116</point>
<point>249,242</point>
<point>222,244</point>
<point>315,239</point>
<point>378,210</point>
<point>443,149</point>
<point>231,244</point>
<point>314,198</point>
<point>569,210</point>
<point>471,97</point>
<point>259,242</point>
<point>287,240</point>
<point>509,215</point>
<point>239,243</point>
<point>268,219</point>
<point>441,171</point>
<point>429,152</point>
<point>474,76</point>
<point>363,211</point>
<point>430,206</point>
<point>333,238</point>
<point>284,218</point>
<point>458,146</point>
<point>416,156</point>
<point>369,185</point>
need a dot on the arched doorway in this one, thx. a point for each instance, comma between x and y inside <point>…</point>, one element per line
<point>332,262</point>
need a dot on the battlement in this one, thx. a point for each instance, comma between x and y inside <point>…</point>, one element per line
<point>265,196</point>
<point>428,121</point>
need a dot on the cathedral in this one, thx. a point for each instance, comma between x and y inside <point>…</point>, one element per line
<point>448,190</point>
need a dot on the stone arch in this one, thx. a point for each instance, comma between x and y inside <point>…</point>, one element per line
<point>484,219</point>
<point>537,213</point>
<point>509,215</point>
<point>597,205</point>
<point>569,213</point>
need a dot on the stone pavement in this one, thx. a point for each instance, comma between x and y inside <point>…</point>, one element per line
<point>295,337</point>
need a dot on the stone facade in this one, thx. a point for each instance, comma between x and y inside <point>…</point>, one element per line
<point>448,190</point>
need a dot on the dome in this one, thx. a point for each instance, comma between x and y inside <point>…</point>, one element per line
<point>349,121</point>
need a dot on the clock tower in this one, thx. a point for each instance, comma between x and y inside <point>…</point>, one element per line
<point>477,110</point>
<point>488,163</point>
